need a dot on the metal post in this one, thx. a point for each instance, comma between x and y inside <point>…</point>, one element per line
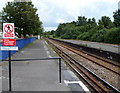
<point>10,85</point>
<point>60,70</point>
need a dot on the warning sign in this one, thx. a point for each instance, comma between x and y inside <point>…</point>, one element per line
<point>9,42</point>
<point>8,30</point>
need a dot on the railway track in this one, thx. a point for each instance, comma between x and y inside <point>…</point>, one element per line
<point>95,82</point>
<point>98,52</point>
<point>115,68</point>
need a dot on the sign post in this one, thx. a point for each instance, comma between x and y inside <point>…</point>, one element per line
<point>9,43</point>
<point>10,79</point>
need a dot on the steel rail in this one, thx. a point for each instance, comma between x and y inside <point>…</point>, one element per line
<point>89,59</point>
<point>90,78</point>
<point>61,54</point>
<point>98,57</point>
<point>113,88</point>
<point>85,49</point>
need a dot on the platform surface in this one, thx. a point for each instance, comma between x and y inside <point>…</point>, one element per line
<point>38,75</point>
<point>102,46</point>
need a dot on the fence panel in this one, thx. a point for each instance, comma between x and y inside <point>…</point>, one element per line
<point>20,43</point>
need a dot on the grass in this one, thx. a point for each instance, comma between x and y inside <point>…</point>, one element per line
<point>29,45</point>
<point>85,45</point>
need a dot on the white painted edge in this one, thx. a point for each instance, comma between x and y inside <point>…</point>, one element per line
<point>46,43</point>
<point>22,51</point>
<point>79,82</point>
<point>54,52</point>
<point>48,54</point>
<point>45,47</point>
<point>1,77</point>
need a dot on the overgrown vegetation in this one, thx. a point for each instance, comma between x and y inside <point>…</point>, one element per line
<point>88,29</point>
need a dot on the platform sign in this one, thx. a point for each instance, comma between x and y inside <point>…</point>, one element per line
<point>8,30</point>
<point>8,35</point>
<point>15,48</point>
<point>9,42</point>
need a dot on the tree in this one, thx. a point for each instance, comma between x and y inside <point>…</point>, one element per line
<point>94,22</point>
<point>106,22</point>
<point>87,29</point>
<point>81,20</point>
<point>59,31</point>
<point>116,16</point>
<point>23,14</point>
<point>91,23</point>
<point>99,36</point>
<point>100,24</point>
<point>113,36</point>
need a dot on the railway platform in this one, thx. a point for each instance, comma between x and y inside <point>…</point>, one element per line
<point>39,75</point>
<point>102,46</point>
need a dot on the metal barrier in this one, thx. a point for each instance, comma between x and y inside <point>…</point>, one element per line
<point>10,75</point>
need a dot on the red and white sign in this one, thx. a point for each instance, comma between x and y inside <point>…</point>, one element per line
<point>8,30</point>
<point>9,42</point>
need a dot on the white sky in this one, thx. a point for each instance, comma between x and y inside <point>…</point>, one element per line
<point>53,12</point>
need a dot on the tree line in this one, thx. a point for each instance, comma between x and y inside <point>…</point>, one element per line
<point>88,29</point>
<point>25,18</point>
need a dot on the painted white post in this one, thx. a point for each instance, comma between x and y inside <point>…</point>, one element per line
<point>38,37</point>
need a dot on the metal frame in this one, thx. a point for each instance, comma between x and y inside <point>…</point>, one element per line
<point>9,60</point>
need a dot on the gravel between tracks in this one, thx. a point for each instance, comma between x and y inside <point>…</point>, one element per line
<point>105,74</point>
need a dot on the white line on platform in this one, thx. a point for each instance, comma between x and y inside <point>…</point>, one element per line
<point>48,53</point>
<point>54,52</point>
<point>50,56</point>
<point>22,51</point>
<point>45,42</point>
<point>27,62</point>
<point>45,47</point>
<point>79,82</point>
<point>3,77</point>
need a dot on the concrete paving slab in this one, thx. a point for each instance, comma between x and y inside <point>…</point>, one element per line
<point>69,78</point>
<point>39,75</point>
<point>34,75</point>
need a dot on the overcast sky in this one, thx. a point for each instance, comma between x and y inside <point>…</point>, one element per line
<point>53,12</point>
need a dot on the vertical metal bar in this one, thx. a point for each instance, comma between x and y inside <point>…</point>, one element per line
<point>59,70</point>
<point>10,85</point>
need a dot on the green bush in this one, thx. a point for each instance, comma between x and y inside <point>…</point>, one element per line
<point>98,36</point>
<point>113,36</point>
<point>66,36</point>
<point>84,36</point>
